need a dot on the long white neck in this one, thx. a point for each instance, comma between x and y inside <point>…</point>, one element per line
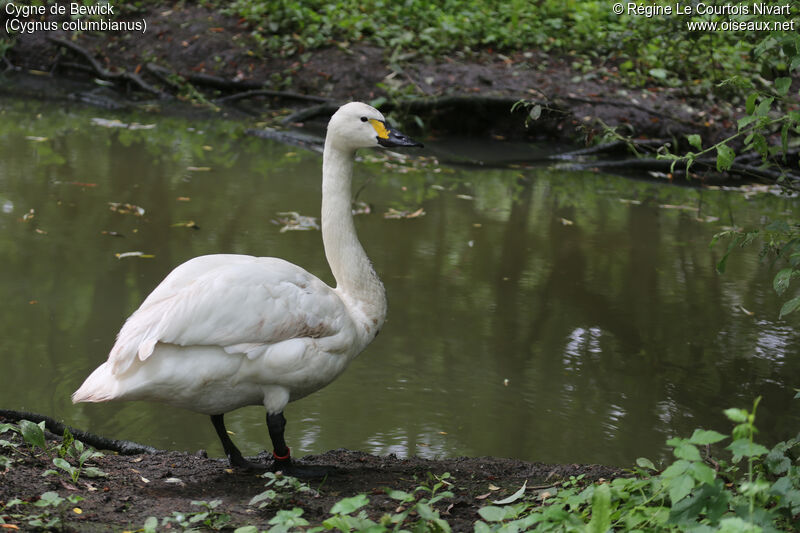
<point>355,278</point>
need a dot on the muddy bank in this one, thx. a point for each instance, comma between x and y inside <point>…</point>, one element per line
<point>191,52</point>
<point>138,486</point>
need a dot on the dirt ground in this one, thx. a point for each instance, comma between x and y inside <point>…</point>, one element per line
<point>216,54</point>
<point>144,485</point>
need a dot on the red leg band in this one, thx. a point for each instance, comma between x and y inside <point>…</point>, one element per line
<point>282,458</point>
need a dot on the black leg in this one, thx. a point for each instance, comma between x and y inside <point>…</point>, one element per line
<point>233,453</point>
<point>276,423</point>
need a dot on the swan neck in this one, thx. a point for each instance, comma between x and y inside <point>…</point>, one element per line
<point>355,277</point>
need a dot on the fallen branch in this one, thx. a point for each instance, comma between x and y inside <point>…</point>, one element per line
<point>266,92</point>
<point>614,147</point>
<point>122,447</point>
<point>102,72</point>
<point>411,105</point>
<point>629,104</point>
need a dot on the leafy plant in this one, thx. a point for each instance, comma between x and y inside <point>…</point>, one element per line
<point>209,518</point>
<point>694,493</point>
<point>46,513</point>
<point>278,488</point>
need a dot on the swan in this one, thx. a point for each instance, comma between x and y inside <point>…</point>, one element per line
<point>225,331</point>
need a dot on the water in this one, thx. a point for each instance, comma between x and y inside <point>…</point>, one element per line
<point>534,313</point>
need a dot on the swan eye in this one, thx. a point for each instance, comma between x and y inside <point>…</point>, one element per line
<point>363,119</point>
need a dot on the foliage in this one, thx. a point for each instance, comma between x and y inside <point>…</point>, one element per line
<point>45,514</point>
<point>657,49</point>
<point>694,493</point>
<point>279,489</point>
<point>209,518</point>
<point>770,128</point>
<point>33,435</point>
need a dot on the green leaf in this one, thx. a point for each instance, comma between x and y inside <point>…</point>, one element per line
<point>782,279</point>
<point>744,448</point>
<point>763,107</point>
<point>676,469</point>
<point>680,487</point>
<point>601,510</point>
<point>480,527</point>
<point>400,495</point>
<point>644,462</point>
<point>736,415</point>
<point>33,434</point>
<point>348,505</point>
<point>782,85</point>
<point>151,526</point>
<point>750,103</point>
<point>703,473</point>
<point>790,306</point>
<point>63,464</point>
<point>93,471</point>
<point>491,513</point>
<point>706,436</point>
<point>685,450</point>
<point>695,140</point>
<point>514,497</point>
<point>725,156</point>
<point>658,73</point>
<point>268,494</point>
<point>746,121</point>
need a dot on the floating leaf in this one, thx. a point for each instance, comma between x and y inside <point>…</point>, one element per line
<point>115,123</point>
<point>185,224</point>
<point>294,221</point>
<point>134,254</point>
<point>395,214</point>
<point>126,209</point>
<point>198,169</point>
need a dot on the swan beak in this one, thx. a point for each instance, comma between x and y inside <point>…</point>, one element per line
<point>390,137</point>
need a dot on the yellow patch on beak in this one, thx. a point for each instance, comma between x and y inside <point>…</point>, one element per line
<point>380,128</point>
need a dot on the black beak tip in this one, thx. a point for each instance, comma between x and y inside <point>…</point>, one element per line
<point>397,139</point>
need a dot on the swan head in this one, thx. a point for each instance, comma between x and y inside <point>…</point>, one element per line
<point>357,125</point>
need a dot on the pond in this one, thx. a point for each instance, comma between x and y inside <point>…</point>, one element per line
<point>533,313</point>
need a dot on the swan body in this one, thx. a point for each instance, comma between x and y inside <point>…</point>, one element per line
<point>226,331</point>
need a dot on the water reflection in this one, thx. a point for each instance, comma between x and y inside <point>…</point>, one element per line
<point>533,313</point>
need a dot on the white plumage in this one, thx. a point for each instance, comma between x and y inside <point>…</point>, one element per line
<point>225,331</point>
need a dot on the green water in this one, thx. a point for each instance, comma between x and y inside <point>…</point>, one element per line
<point>533,313</point>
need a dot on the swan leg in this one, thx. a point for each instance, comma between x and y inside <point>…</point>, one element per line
<point>276,423</point>
<point>234,455</point>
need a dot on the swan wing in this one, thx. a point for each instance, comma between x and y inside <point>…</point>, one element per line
<point>243,304</point>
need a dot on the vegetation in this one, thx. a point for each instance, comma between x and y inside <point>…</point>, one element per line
<point>753,489</point>
<point>642,47</point>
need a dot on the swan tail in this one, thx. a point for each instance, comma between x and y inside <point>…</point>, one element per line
<point>100,386</point>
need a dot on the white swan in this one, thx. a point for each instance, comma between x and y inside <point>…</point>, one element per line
<point>225,331</point>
